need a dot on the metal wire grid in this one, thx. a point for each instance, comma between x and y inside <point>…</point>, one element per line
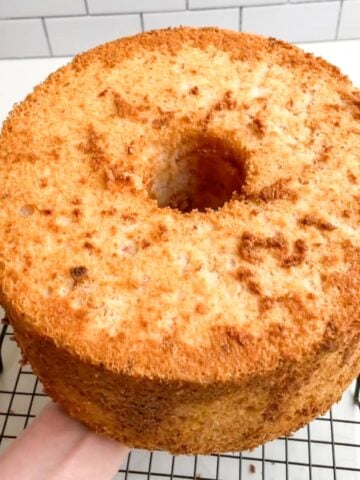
<point>328,448</point>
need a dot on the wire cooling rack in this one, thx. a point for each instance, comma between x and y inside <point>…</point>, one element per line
<point>326,449</point>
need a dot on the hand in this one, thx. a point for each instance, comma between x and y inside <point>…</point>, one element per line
<point>57,447</point>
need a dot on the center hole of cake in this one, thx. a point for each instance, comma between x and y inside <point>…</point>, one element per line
<point>204,175</point>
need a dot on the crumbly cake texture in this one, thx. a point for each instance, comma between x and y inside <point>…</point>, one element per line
<point>179,246</point>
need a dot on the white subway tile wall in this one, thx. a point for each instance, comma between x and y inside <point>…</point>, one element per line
<point>300,1</point>
<point>23,38</point>
<point>131,6</point>
<point>229,3</point>
<point>41,8</point>
<point>38,28</point>
<point>75,34</point>
<point>224,18</point>
<point>349,26</point>
<point>306,22</point>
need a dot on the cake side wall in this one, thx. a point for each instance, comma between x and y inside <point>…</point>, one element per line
<point>191,417</point>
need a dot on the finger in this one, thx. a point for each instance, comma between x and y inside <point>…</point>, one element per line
<point>57,447</point>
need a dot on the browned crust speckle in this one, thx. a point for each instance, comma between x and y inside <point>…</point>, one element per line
<point>78,273</point>
<point>259,126</point>
<point>312,220</point>
<point>156,322</point>
<point>92,147</point>
<point>277,191</point>
<point>297,256</point>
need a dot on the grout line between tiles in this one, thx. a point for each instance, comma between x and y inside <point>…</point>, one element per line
<point>47,36</point>
<point>339,19</point>
<point>142,22</point>
<point>70,15</point>
<point>204,9</point>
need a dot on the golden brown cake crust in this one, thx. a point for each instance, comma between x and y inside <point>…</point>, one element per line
<point>202,310</point>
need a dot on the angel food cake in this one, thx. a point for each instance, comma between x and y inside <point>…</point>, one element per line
<point>179,238</point>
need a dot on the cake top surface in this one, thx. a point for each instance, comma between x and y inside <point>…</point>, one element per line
<point>185,204</point>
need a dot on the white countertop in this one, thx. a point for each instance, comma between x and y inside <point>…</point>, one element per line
<point>18,77</point>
